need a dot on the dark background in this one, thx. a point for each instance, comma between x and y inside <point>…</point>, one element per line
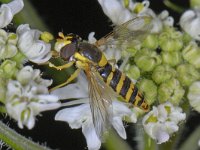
<point>79,17</point>
<point>83,16</point>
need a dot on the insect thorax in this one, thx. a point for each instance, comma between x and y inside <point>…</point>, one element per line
<point>91,52</point>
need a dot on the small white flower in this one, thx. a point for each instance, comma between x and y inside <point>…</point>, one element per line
<point>165,18</point>
<point>29,44</point>
<point>81,117</point>
<point>115,10</point>
<point>190,22</point>
<point>26,99</point>
<point>8,42</point>
<point>119,14</point>
<point>162,122</point>
<point>7,11</point>
<point>194,95</point>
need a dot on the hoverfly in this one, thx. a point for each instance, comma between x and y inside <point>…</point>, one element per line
<point>103,78</point>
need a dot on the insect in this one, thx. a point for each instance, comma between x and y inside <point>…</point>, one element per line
<point>103,78</point>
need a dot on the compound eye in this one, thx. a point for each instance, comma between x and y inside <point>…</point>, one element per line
<point>67,51</point>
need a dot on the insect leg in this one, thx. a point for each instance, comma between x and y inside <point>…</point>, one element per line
<point>69,64</point>
<point>72,77</point>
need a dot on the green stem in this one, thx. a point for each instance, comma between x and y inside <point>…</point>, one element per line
<point>149,143</point>
<point>192,141</point>
<point>176,139</point>
<point>144,141</point>
<point>16,141</point>
<point>114,142</point>
<point>2,109</point>
<point>174,6</point>
<point>29,15</point>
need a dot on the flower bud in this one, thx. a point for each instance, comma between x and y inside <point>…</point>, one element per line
<point>147,60</point>
<point>191,53</point>
<point>162,73</point>
<point>8,43</point>
<point>171,41</point>
<point>187,74</point>
<point>194,95</point>
<point>130,51</point>
<point>132,71</point>
<point>46,36</point>
<point>12,38</point>
<point>186,38</point>
<point>25,75</point>
<point>170,90</point>
<point>9,68</point>
<point>149,89</point>
<point>171,58</point>
<point>151,41</point>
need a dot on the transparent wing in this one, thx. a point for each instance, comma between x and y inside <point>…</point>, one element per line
<point>135,29</point>
<point>100,102</point>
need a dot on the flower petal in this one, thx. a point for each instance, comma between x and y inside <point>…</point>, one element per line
<point>93,142</point>
<point>161,136</point>
<point>119,127</point>
<point>115,11</point>
<point>80,89</point>
<point>75,116</point>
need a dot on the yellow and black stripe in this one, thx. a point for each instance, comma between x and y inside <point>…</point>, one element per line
<point>113,77</point>
<point>122,85</point>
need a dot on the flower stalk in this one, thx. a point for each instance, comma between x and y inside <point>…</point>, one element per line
<point>16,141</point>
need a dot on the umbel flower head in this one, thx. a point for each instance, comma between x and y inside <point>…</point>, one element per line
<point>27,96</point>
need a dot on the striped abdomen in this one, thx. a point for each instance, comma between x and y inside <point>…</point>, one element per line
<point>122,85</point>
<point>118,81</point>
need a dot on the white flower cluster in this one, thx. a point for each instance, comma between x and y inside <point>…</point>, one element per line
<point>159,124</point>
<point>162,121</point>
<point>26,40</point>
<point>23,91</point>
<point>119,13</point>
<point>81,117</point>
<point>27,96</point>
